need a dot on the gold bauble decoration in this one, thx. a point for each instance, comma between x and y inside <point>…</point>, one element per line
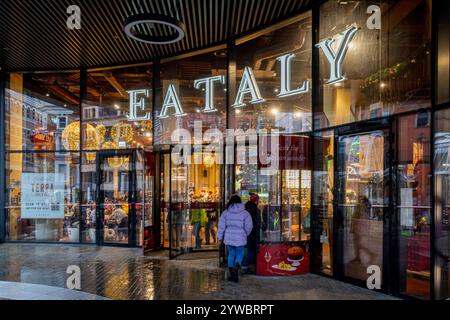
<point>70,138</point>
<point>122,131</point>
<point>101,132</point>
<point>146,125</point>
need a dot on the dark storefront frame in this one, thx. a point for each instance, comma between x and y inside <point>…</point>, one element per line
<point>390,255</point>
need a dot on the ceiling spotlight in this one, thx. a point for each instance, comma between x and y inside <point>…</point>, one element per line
<point>47,94</point>
<point>274,111</point>
<point>176,25</point>
<point>116,106</point>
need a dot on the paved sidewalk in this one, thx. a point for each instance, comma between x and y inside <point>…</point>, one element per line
<point>119,273</point>
<point>28,291</point>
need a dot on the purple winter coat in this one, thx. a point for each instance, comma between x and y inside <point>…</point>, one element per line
<point>235,224</point>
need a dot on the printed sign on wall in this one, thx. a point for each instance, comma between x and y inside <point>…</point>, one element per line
<point>42,196</point>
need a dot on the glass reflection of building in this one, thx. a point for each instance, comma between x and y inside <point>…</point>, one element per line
<point>363,177</point>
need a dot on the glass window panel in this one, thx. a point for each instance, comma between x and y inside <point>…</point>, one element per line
<point>180,75</point>
<point>284,189</point>
<point>442,201</point>
<point>385,70</point>
<point>291,114</point>
<point>362,201</point>
<point>39,109</point>
<point>42,198</point>
<point>107,109</point>
<point>413,205</point>
<point>89,198</point>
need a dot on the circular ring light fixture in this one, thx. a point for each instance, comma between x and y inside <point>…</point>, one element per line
<point>178,26</point>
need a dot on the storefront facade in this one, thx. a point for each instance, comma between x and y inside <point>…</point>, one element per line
<point>354,94</point>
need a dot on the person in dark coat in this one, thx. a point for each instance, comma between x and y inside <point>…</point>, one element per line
<point>252,241</point>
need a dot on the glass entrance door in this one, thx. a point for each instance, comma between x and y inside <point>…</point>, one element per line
<point>362,202</point>
<point>116,198</point>
<point>190,202</point>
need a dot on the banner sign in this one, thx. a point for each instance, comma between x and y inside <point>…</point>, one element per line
<point>42,196</point>
<point>293,151</point>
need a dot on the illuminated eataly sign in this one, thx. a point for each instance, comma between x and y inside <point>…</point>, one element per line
<point>248,85</point>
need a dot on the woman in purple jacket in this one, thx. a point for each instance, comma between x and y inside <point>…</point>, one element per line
<point>235,224</point>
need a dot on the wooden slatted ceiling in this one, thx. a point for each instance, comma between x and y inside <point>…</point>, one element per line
<point>33,33</point>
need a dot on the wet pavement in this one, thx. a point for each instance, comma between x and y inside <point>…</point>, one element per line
<point>124,274</point>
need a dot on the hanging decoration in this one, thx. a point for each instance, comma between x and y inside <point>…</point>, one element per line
<point>70,138</point>
<point>122,131</point>
<point>101,132</point>
<point>146,125</point>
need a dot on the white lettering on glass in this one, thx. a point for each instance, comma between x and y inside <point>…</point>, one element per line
<point>285,90</point>
<point>171,101</point>
<point>335,59</point>
<point>135,103</point>
<point>248,86</point>
<point>209,90</point>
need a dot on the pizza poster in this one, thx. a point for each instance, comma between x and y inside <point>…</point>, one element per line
<point>42,196</point>
<point>282,259</point>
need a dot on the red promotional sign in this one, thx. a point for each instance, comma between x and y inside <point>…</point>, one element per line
<point>282,259</point>
<point>293,152</point>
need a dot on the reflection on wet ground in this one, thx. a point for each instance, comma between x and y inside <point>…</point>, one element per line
<point>122,273</point>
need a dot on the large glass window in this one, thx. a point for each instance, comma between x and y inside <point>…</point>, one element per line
<point>285,192</point>
<point>288,114</point>
<point>385,67</point>
<point>110,119</point>
<point>362,201</point>
<point>39,108</point>
<point>42,196</point>
<point>413,203</point>
<point>442,201</point>
<point>178,84</point>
